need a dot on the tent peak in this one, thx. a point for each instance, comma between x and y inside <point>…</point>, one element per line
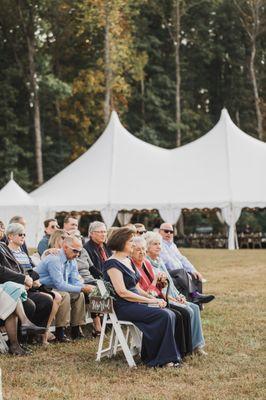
<point>114,118</point>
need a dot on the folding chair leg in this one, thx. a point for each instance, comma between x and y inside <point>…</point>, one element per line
<point>100,346</point>
<point>123,342</point>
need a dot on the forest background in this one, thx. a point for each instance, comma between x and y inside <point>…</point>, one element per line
<point>167,67</point>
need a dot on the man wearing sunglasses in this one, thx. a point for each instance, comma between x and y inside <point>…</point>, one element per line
<point>50,226</point>
<point>185,276</point>
<point>60,272</point>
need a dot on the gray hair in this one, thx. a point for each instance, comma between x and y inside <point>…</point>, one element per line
<point>15,219</point>
<point>14,229</point>
<point>95,225</point>
<point>152,237</point>
<point>69,240</point>
<point>139,241</point>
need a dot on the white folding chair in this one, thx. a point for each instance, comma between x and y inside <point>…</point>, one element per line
<point>124,336</point>
<point>3,345</point>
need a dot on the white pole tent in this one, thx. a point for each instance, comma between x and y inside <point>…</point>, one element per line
<point>118,172</point>
<point>14,201</point>
<point>225,168</point>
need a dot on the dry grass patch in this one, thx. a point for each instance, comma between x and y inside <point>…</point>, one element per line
<point>234,330</point>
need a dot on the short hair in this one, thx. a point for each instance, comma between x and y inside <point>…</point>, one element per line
<point>15,219</point>
<point>2,225</point>
<point>95,225</point>
<point>67,218</point>
<point>152,237</point>
<point>55,236</point>
<point>140,241</point>
<point>119,238</point>
<point>47,222</point>
<point>165,223</point>
<point>70,239</point>
<point>14,229</point>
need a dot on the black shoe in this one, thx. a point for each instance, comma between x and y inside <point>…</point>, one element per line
<point>199,298</point>
<point>60,336</point>
<point>62,339</point>
<point>76,333</point>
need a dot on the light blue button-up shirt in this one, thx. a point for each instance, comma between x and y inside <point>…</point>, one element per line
<point>173,259</point>
<point>57,272</point>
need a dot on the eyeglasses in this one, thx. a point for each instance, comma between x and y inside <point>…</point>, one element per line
<point>99,231</point>
<point>141,232</point>
<point>167,231</point>
<point>22,234</point>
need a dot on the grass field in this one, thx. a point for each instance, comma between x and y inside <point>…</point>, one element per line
<point>234,327</point>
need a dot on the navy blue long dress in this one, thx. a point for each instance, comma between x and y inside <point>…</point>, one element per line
<point>157,325</point>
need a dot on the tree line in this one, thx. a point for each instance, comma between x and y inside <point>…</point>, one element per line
<point>167,67</point>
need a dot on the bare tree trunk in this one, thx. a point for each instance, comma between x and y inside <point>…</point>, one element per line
<point>142,88</point>
<point>36,107</point>
<point>178,76</point>
<point>238,118</point>
<point>255,89</point>
<point>107,67</point>
<point>28,27</point>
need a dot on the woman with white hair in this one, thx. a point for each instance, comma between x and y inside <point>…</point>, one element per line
<point>153,241</point>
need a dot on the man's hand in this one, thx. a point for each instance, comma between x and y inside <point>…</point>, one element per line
<point>53,251</point>
<point>28,281</point>
<point>197,275</point>
<point>87,289</point>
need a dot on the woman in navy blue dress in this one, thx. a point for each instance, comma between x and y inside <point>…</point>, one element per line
<point>132,304</point>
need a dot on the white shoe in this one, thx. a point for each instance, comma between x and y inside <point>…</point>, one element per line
<point>200,352</point>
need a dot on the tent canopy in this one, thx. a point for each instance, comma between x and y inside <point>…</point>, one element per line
<point>119,171</point>
<point>224,167</point>
<point>15,201</point>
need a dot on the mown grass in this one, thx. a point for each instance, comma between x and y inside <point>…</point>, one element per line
<point>234,327</point>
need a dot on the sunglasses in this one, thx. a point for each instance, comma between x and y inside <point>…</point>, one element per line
<point>167,231</point>
<point>22,234</point>
<point>141,232</point>
<point>75,251</point>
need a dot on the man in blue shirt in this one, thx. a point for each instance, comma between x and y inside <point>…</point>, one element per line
<point>185,276</point>
<point>60,272</point>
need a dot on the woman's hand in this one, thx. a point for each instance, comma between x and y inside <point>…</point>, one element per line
<point>36,284</point>
<point>28,281</point>
<point>161,303</point>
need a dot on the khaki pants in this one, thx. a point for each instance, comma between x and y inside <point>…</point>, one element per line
<point>71,310</point>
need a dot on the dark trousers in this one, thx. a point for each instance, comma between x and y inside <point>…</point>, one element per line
<point>183,333</point>
<point>185,282</point>
<point>38,307</point>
